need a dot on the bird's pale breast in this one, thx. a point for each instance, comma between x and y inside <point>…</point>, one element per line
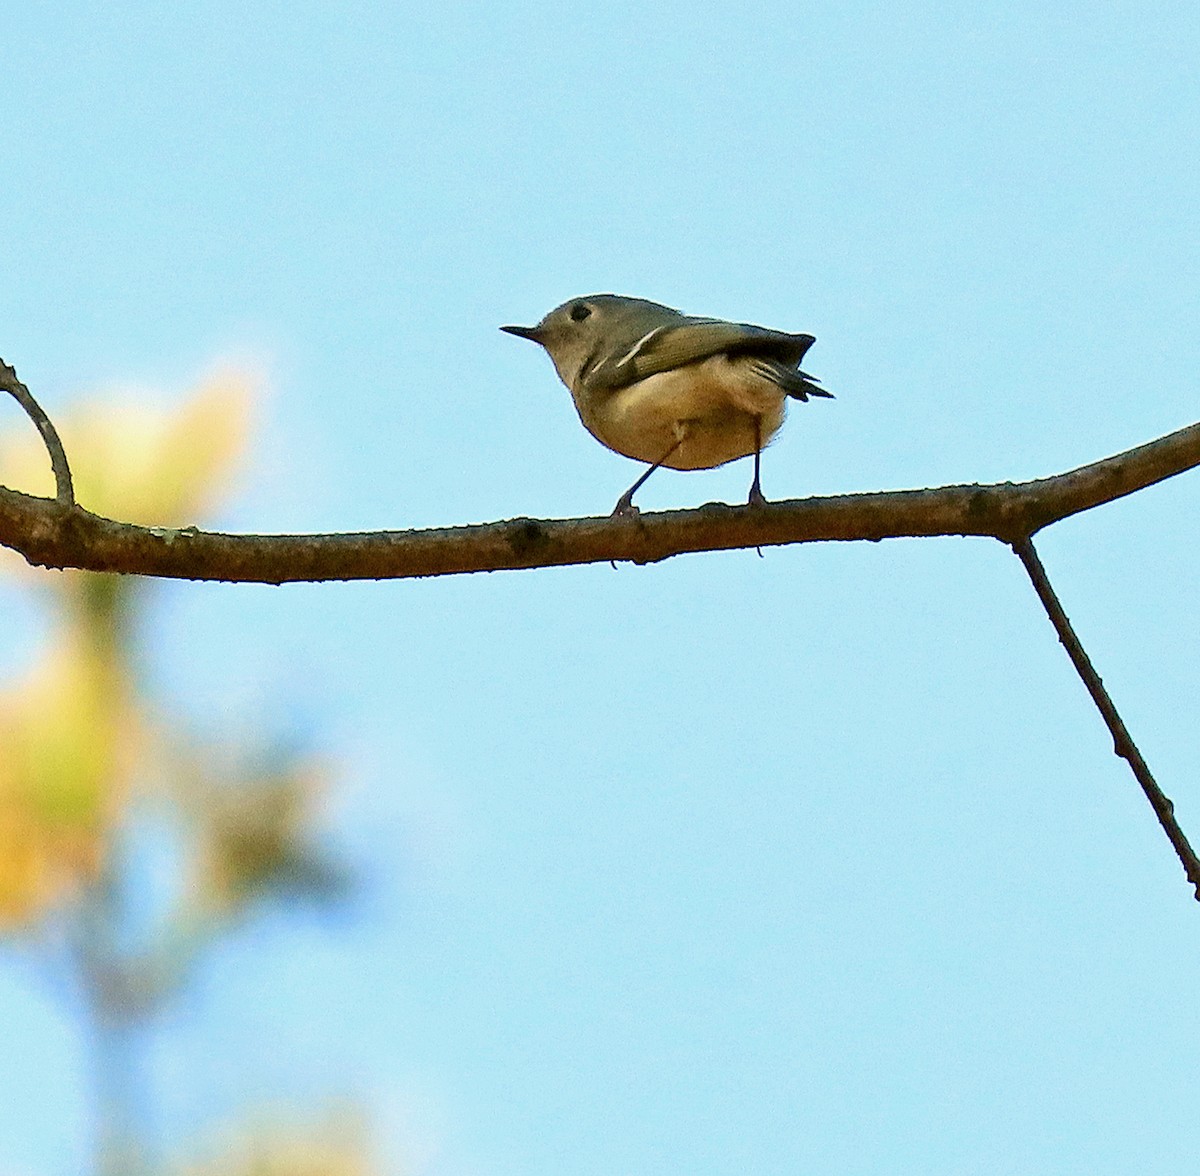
<point>714,403</point>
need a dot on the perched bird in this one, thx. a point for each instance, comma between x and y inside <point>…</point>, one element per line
<point>672,390</point>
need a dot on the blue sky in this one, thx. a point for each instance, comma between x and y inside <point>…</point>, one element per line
<point>814,863</point>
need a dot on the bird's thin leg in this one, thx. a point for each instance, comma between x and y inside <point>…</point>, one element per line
<point>757,498</point>
<point>625,502</point>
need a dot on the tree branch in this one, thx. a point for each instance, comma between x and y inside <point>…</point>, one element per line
<point>49,534</point>
<point>56,533</point>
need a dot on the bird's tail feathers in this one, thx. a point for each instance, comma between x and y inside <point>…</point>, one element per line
<point>796,384</point>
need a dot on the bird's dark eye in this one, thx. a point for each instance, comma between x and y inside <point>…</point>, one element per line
<point>580,311</point>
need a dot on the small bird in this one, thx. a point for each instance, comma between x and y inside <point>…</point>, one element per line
<point>672,390</point>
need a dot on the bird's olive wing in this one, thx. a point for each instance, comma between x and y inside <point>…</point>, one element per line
<point>675,345</point>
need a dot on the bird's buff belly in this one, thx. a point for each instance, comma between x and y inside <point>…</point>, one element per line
<point>713,405</point>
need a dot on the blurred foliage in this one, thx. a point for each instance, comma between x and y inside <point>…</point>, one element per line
<point>251,823</point>
<point>334,1147</point>
<point>69,737</point>
<point>157,466</point>
<point>84,750</point>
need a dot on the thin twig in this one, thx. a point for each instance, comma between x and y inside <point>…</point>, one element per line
<point>65,492</point>
<point>1123,744</point>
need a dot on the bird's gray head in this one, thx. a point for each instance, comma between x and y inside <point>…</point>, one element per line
<point>586,330</point>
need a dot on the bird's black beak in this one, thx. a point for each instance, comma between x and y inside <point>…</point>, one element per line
<point>531,333</point>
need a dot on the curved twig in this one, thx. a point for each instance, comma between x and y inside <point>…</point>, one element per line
<point>65,491</point>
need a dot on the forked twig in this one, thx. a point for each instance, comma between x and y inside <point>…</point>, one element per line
<point>1123,744</point>
<point>64,490</point>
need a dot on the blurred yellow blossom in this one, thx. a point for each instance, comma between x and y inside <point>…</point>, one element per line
<point>80,739</point>
<point>157,466</point>
<point>70,739</point>
<point>72,732</point>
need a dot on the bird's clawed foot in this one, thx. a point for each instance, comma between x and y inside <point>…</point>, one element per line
<point>625,508</point>
<point>757,497</point>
